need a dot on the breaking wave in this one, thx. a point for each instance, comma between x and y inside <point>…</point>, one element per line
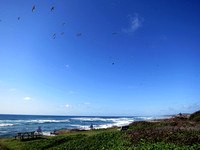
<point>18,122</point>
<point>5,124</point>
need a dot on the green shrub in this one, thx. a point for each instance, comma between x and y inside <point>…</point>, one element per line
<point>107,140</point>
<point>195,116</point>
<point>49,142</point>
<point>3,147</point>
<point>164,146</point>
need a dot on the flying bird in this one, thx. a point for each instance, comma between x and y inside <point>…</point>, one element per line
<point>114,33</point>
<point>54,36</point>
<point>33,8</point>
<point>18,18</point>
<point>112,60</point>
<point>79,34</point>
<point>52,8</point>
<point>63,23</point>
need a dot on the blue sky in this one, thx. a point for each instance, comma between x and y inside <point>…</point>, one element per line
<point>149,67</point>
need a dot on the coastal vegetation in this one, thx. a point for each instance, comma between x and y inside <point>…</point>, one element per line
<point>174,133</point>
<point>195,116</point>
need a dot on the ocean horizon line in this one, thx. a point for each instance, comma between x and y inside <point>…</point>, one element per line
<point>90,115</point>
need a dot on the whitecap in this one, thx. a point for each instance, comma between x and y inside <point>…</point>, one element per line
<point>101,119</point>
<point>90,119</point>
<point>144,118</point>
<point>46,121</point>
<point>5,124</point>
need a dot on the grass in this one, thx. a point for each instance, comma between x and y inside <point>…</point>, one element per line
<point>178,134</point>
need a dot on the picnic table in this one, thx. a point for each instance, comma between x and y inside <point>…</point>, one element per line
<point>21,135</point>
<point>124,128</point>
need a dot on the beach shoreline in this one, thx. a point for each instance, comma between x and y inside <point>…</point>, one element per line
<point>10,124</point>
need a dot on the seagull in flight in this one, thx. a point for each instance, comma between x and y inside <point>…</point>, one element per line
<point>52,8</point>
<point>54,36</point>
<point>79,34</point>
<point>33,8</point>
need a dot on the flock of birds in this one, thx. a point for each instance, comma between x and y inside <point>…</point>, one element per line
<point>79,34</point>
<point>62,33</point>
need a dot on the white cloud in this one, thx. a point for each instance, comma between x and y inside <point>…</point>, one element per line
<point>86,103</point>
<point>72,92</point>
<point>193,106</point>
<point>68,106</point>
<point>67,66</point>
<point>170,108</point>
<point>12,90</point>
<point>135,23</point>
<point>27,98</point>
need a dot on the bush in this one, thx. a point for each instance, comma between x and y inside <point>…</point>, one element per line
<point>3,147</point>
<point>195,116</point>
<point>49,142</point>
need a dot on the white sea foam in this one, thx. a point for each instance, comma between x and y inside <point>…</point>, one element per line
<point>4,132</point>
<point>102,119</point>
<point>119,122</point>
<point>5,124</point>
<point>46,121</point>
<point>16,122</point>
<point>113,122</point>
<point>91,119</point>
<point>145,118</point>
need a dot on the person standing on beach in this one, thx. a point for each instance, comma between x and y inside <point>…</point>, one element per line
<point>91,126</point>
<point>39,130</point>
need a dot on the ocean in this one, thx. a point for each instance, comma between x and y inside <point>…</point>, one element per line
<point>10,124</point>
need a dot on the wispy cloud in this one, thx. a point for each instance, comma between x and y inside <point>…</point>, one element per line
<point>135,23</point>
<point>67,66</point>
<point>72,92</point>
<point>27,98</point>
<point>68,106</point>
<point>12,90</point>
<point>170,109</point>
<point>193,106</point>
<point>87,103</point>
